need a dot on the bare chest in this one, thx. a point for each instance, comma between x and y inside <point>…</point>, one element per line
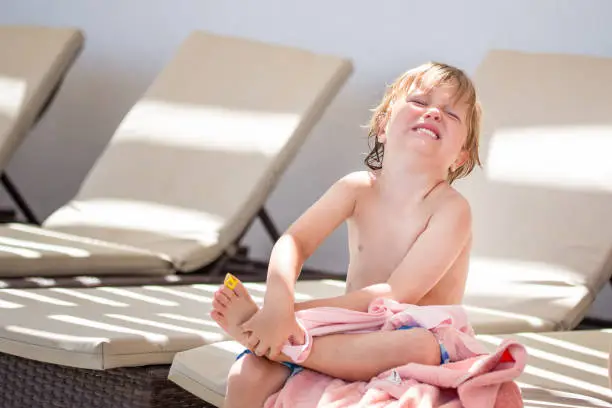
<point>379,238</point>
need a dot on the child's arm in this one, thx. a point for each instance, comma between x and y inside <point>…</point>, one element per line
<point>275,322</point>
<point>431,256</point>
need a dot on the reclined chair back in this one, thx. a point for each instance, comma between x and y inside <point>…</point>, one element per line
<point>542,201</point>
<point>193,162</point>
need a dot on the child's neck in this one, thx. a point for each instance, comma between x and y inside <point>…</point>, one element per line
<point>402,185</point>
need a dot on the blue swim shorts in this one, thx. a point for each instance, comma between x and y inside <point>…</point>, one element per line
<point>293,368</point>
<point>296,368</point>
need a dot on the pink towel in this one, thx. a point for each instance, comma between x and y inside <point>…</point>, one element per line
<point>448,321</point>
<point>473,379</point>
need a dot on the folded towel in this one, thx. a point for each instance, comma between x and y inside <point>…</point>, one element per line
<point>474,378</point>
<point>448,322</point>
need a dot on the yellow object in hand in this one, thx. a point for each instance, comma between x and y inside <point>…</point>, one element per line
<point>230,281</point>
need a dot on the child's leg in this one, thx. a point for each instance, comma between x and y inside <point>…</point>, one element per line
<point>342,355</point>
<point>252,380</point>
<point>338,355</point>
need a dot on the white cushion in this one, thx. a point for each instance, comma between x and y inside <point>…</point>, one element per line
<point>568,368</point>
<point>542,201</point>
<point>203,370</point>
<point>195,159</point>
<point>107,327</point>
<point>564,366</point>
<point>27,250</point>
<point>62,325</point>
<point>510,297</point>
<point>32,62</point>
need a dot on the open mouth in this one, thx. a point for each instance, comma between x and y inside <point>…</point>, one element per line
<point>428,131</point>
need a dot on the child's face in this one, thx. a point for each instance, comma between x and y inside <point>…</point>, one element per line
<point>431,123</point>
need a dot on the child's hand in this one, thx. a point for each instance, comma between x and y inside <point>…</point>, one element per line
<point>269,329</point>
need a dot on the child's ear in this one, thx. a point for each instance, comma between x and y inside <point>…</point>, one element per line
<point>382,133</point>
<point>461,159</point>
<point>382,136</point>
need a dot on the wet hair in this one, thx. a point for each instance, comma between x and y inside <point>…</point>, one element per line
<point>427,77</point>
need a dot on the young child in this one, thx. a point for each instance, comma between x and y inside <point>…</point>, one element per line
<point>409,240</point>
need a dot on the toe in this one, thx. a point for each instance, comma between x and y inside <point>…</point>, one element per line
<point>241,291</point>
<point>219,318</point>
<point>228,293</point>
<point>222,298</point>
<point>218,306</point>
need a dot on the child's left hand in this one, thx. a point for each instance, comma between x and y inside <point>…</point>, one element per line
<point>269,329</point>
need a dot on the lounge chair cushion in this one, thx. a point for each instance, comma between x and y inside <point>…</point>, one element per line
<point>511,297</point>
<point>106,327</point>
<point>563,366</point>
<point>567,368</point>
<point>192,163</point>
<point>541,202</point>
<point>149,323</point>
<point>30,251</point>
<point>33,60</point>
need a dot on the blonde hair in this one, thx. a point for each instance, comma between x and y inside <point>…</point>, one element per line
<point>427,77</point>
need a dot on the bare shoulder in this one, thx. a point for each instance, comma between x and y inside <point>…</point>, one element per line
<point>453,206</point>
<point>335,206</point>
<point>355,183</point>
<point>358,179</point>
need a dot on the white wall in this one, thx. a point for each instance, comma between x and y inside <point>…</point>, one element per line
<point>129,41</point>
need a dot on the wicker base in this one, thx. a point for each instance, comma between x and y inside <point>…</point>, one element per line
<point>32,384</point>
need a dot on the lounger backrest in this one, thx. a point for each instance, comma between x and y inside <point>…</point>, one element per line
<point>542,203</point>
<point>33,61</point>
<point>196,157</point>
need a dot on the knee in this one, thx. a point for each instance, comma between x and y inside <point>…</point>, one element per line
<point>419,346</point>
<point>246,373</point>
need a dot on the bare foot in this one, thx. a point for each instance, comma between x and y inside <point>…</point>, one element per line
<point>231,308</point>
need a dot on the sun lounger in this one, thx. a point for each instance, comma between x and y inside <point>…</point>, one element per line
<point>113,346</point>
<point>33,64</point>
<point>568,369</point>
<point>190,166</point>
<point>542,231</point>
<point>107,346</point>
<point>187,171</point>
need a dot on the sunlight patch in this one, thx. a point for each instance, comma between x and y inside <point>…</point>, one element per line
<point>12,95</point>
<point>208,127</point>
<point>566,157</point>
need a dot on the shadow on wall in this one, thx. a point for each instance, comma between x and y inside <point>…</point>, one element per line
<point>544,194</point>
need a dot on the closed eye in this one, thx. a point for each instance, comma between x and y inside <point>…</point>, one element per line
<point>453,115</point>
<point>418,102</point>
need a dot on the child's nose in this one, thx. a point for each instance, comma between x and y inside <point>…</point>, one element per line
<point>433,114</point>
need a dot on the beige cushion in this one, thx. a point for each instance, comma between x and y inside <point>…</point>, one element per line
<point>505,297</point>
<point>31,251</point>
<point>32,62</point>
<point>563,366</point>
<point>542,202</point>
<point>113,327</point>
<point>208,383</point>
<point>564,369</point>
<point>610,366</point>
<point>106,327</point>
<point>197,156</point>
